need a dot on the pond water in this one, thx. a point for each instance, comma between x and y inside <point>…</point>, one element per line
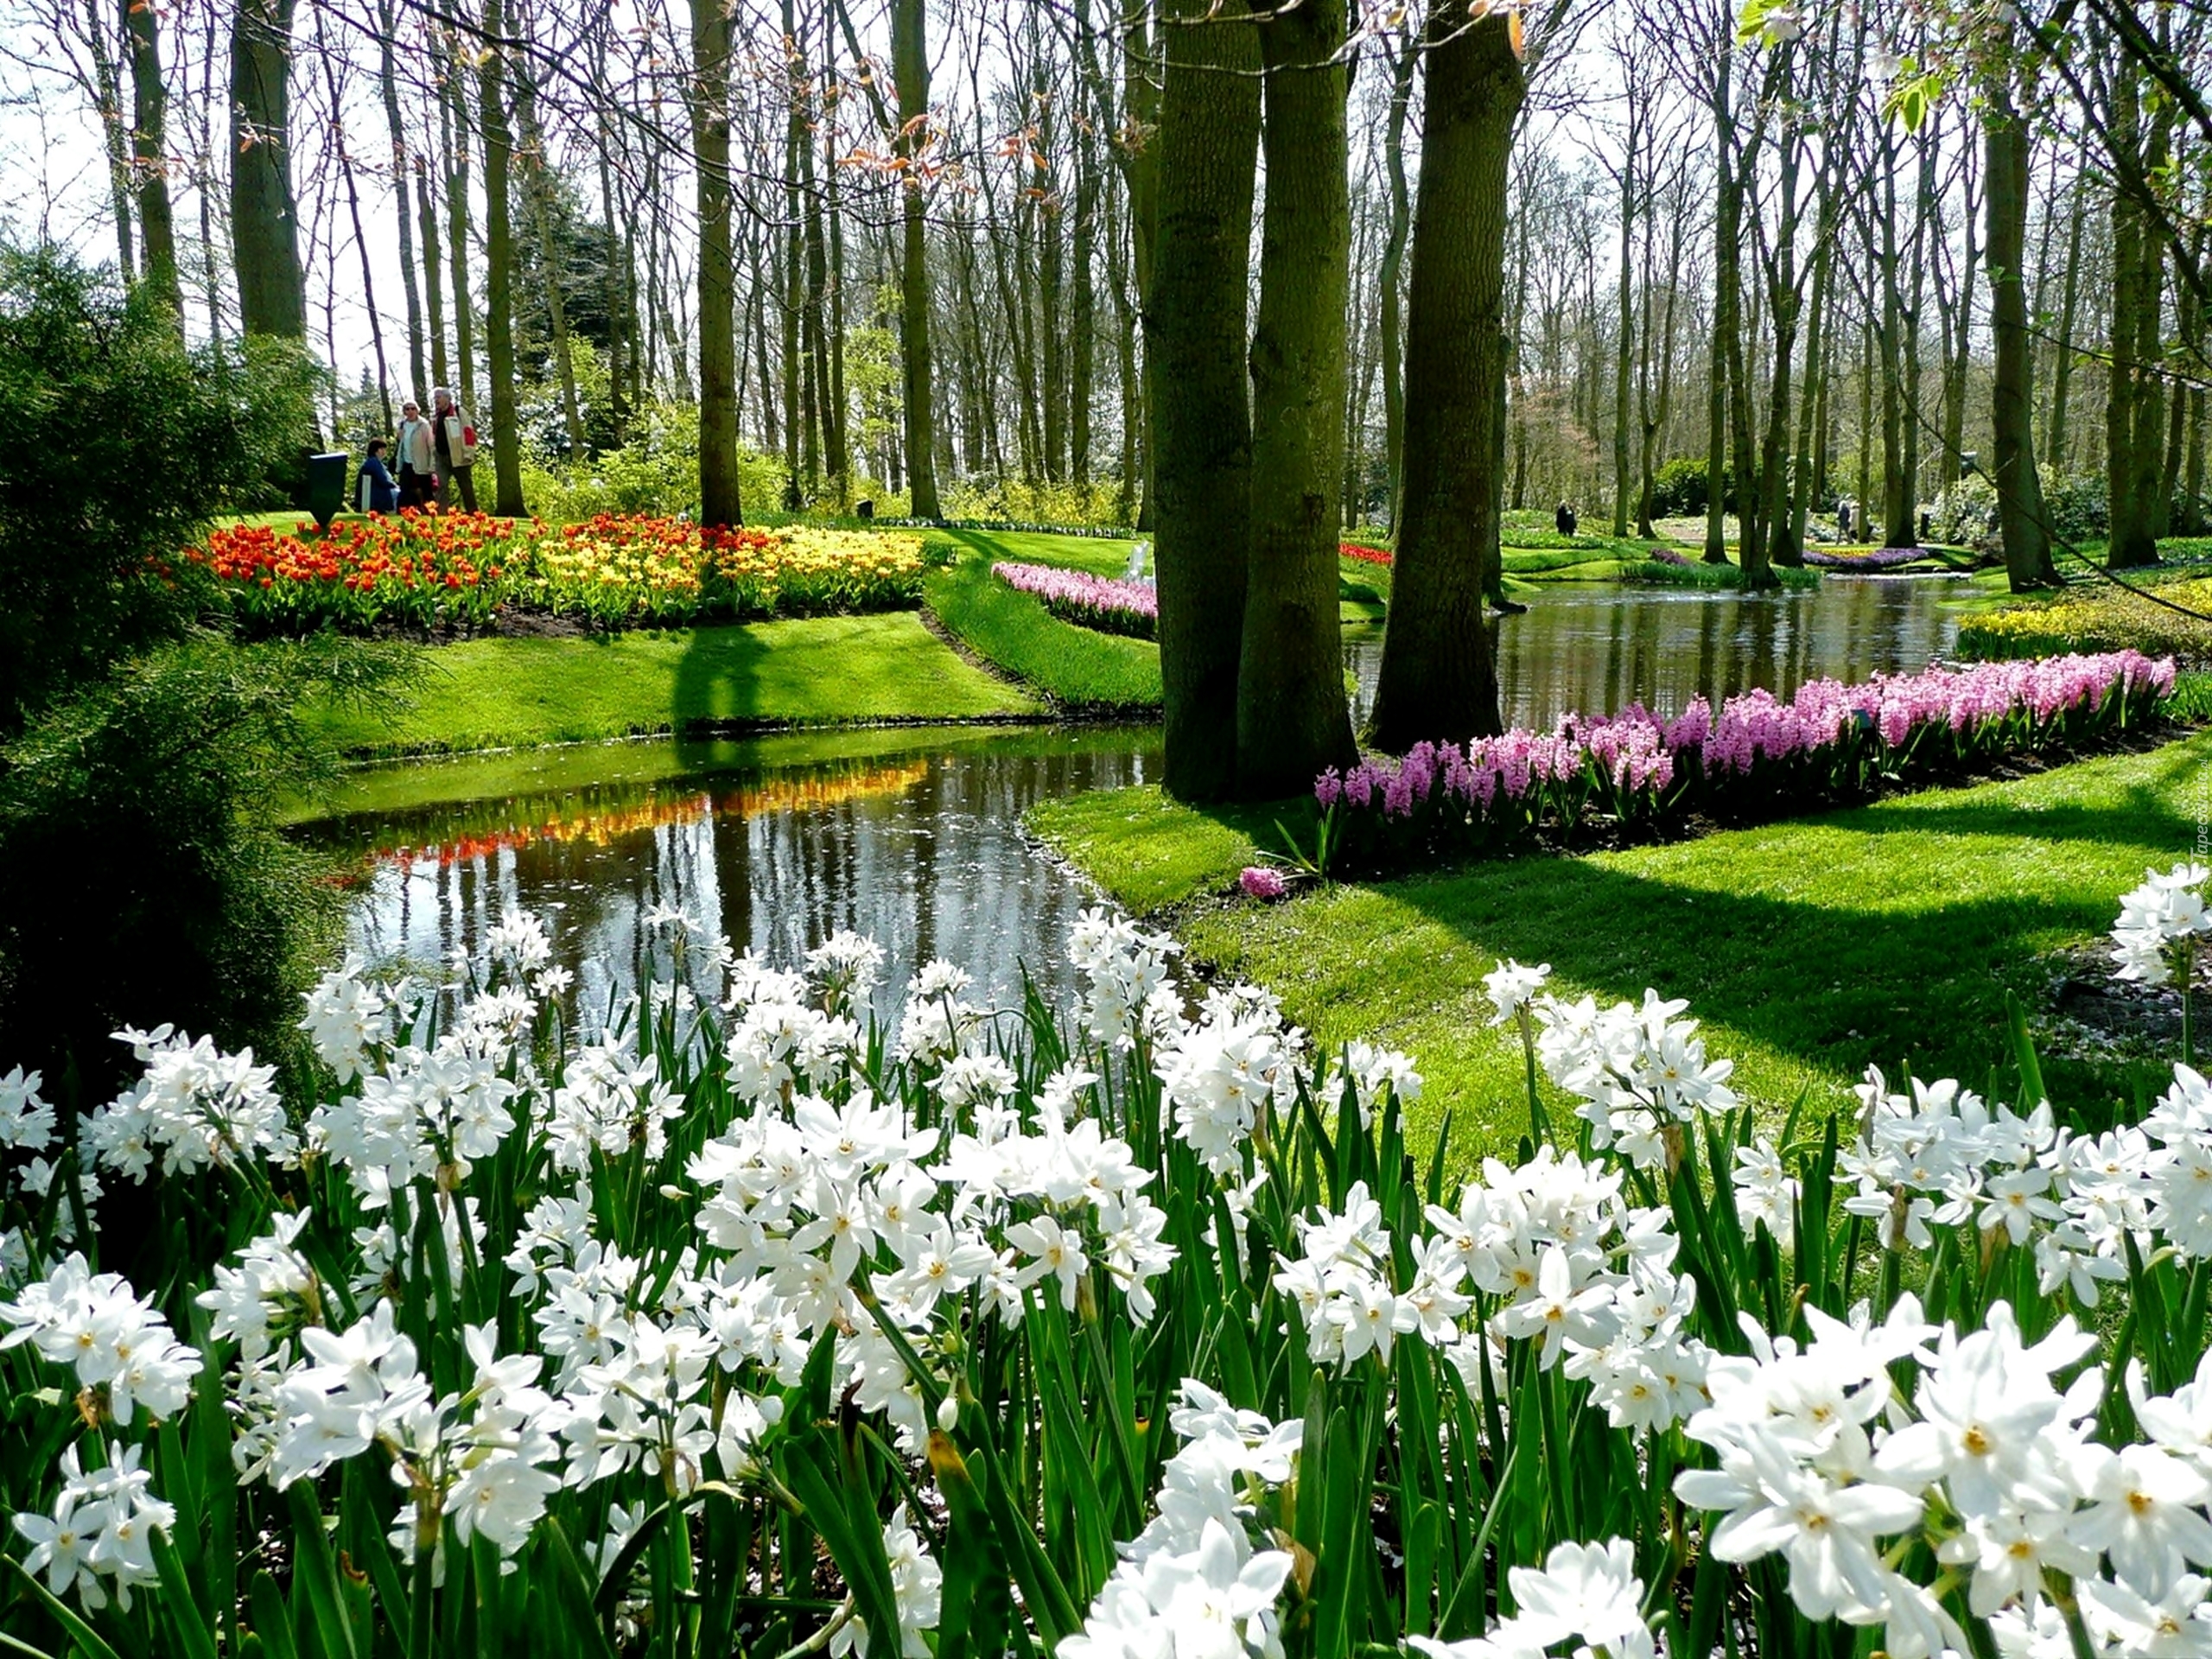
<point>1595,650</point>
<point>910,836</point>
<point>914,836</point>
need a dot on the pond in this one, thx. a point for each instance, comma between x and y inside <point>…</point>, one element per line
<point>914,836</point>
<point>1595,649</point>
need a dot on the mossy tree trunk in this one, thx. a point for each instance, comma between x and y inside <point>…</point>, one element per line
<point>1292,718</point>
<point>1439,676</point>
<point>1195,312</point>
<point>264,223</point>
<point>149,162</point>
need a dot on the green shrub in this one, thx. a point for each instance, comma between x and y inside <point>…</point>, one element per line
<point>1679,488</point>
<point>121,444</point>
<point>140,880</point>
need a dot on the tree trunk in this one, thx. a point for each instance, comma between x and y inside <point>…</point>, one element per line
<point>718,490</point>
<point>1439,679</point>
<point>455,115</point>
<point>910,70</point>
<point>1624,342</point>
<point>361,233</point>
<point>265,225</point>
<point>418,387</point>
<point>1728,216</point>
<point>1404,59</point>
<point>433,289</point>
<point>2062,374</point>
<point>539,193</point>
<point>115,130</point>
<point>1292,719</point>
<point>498,272</point>
<point>1194,318</point>
<point>149,158</point>
<point>2133,542</point>
<point>2019,493</point>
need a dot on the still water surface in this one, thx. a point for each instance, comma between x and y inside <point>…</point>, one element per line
<point>913,836</point>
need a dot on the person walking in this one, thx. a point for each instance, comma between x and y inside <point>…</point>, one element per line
<point>1563,520</point>
<point>418,458</point>
<point>455,439</point>
<point>376,493</point>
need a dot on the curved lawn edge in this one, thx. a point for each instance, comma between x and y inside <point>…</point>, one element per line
<point>1083,673</point>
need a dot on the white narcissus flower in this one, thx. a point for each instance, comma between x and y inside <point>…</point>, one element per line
<point>1511,988</point>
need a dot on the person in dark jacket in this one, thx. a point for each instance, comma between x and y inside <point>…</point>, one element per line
<point>1565,519</point>
<point>376,491</point>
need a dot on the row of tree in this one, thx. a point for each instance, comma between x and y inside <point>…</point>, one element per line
<point>1497,258</point>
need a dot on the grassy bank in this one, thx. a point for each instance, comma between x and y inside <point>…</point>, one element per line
<point>1887,934</point>
<point>1079,669</point>
<point>497,693</point>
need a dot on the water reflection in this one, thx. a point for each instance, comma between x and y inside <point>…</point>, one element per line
<point>914,837</point>
<point>918,846</point>
<point>1592,649</point>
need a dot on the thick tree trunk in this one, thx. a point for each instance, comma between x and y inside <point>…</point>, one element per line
<point>718,489</point>
<point>498,272</point>
<point>265,226</point>
<point>1195,314</point>
<point>2019,493</point>
<point>910,69</point>
<point>1439,679</point>
<point>1292,719</point>
<point>150,159</point>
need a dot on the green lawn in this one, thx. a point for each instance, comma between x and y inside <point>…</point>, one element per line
<point>1887,934</point>
<point>1080,669</point>
<point>496,693</point>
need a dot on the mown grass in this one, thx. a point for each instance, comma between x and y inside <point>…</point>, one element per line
<point>1887,934</point>
<point>505,692</point>
<point>1080,669</point>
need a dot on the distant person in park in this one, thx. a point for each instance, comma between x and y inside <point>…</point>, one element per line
<point>455,442</point>
<point>1565,519</point>
<point>377,491</point>
<point>1843,521</point>
<point>418,458</point>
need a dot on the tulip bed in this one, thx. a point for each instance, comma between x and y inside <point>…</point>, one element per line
<point>1830,742</point>
<point>1093,602</point>
<point>458,571</point>
<point>736,1324</point>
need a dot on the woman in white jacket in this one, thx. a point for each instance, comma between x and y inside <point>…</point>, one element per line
<point>418,458</point>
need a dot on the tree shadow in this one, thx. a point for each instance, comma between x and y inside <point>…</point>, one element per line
<point>716,693</point>
<point>1886,974</point>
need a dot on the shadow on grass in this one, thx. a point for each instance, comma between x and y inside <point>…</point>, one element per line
<point>716,682</point>
<point>1834,967</point>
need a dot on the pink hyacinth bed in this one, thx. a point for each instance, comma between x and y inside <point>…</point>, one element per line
<point>1753,754</point>
<point>1101,603</point>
